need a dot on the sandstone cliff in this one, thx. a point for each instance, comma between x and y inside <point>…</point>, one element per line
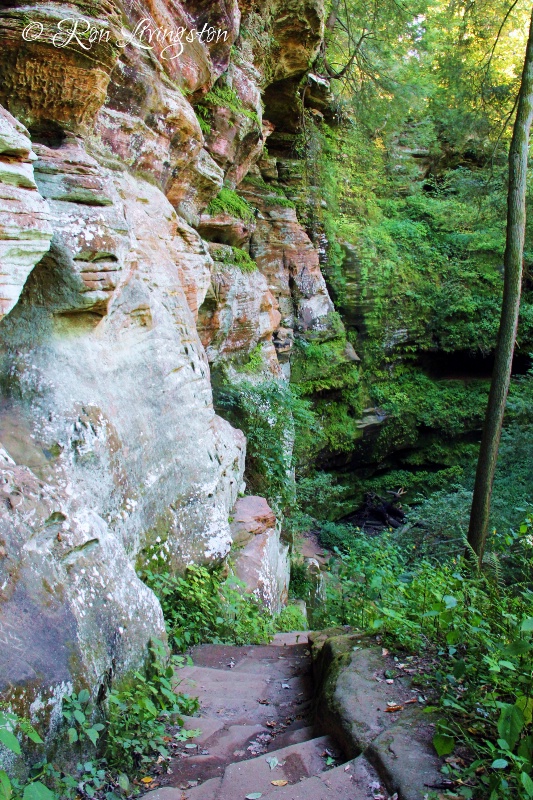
<point>119,290</point>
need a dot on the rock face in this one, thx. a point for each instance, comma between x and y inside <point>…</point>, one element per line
<point>112,307</point>
<point>261,560</point>
<point>25,229</point>
<point>355,708</point>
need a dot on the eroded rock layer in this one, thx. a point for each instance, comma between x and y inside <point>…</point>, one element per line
<point>114,277</point>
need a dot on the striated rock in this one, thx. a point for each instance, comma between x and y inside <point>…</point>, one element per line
<point>55,82</point>
<point>238,314</point>
<point>196,186</point>
<point>251,517</point>
<point>238,133</point>
<point>113,454</point>
<point>25,230</point>
<point>261,560</point>
<point>286,256</point>
<point>224,229</point>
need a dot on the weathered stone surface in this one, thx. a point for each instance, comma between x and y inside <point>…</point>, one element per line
<point>263,566</point>
<point>352,702</point>
<point>66,617</point>
<point>239,314</point>
<point>25,229</point>
<point>54,87</point>
<point>251,516</point>
<point>106,406</point>
<point>286,256</point>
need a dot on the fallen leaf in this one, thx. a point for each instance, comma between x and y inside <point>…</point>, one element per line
<point>384,651</point>
<point>254,796</point>
<point>279,783</point>
<point>272,762</point>
<point>394,708</point>
<point>347,768</point>
<point>191,746</point>
<point>271,723</point>
<point>285,686</point>
<point>414,700</point>
<point>264,702</point>
<point>389,681</point>
<point>147,780</point>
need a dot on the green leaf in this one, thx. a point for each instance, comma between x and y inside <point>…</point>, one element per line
<point>92,735</point>
<point>527,783</point>
<point>10,741</point>
<point>443,744</point>
<point>79,716</point>
<point>449,601</point>
<point>517,648</point>
<point>124,782</point>
<point>525,704</point>
<point>72,735</point>
<point>32,735</point>
<point>5,786</point>
<point>84,696</point>
<point>527,625</point>
<point>38,791</point>
<point>500,763</point>
<point>510,724</point>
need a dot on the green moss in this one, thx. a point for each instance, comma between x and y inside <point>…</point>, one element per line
<point>228,202</point>
<point>234,256</point>
<point>226,97</point>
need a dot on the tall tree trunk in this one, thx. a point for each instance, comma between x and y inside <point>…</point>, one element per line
<point>514,249</point>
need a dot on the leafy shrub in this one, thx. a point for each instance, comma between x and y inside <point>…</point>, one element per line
<point>139,712</point>
<point>477,631</point>
<point>235,256</point>
<point>202,607</point>
<point>224,96</point>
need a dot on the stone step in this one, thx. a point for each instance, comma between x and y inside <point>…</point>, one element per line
<point>297,761</point>
<point>221,695</point>
<point>206,791</point>
<point>228,744</point>
<point>293,736</point>
<point>355,780</point>
<point>288,639</point>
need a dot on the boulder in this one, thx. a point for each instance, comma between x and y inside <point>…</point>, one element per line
<point>251,516</point>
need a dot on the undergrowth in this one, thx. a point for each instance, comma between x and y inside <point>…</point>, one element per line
<point>114,747</point>
<point>473,634</point>
<point>202,606</point>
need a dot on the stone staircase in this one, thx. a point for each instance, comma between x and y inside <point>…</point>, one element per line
<point>258,736</point>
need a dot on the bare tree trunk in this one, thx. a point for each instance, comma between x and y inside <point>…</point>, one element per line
<point>514,249</point>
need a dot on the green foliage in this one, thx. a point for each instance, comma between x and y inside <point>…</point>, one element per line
<point>300,584</point>
<point>202,607</point>
<point>139,712</point>
<point>475,629</point>
<point>234,256</point>
<point>255,359</point>
<point>226,97</point>
<point>228,202</point>
<point>280,429</point>
<point>290,619</point>
<point>76,711</point>
<point>9,724</point>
